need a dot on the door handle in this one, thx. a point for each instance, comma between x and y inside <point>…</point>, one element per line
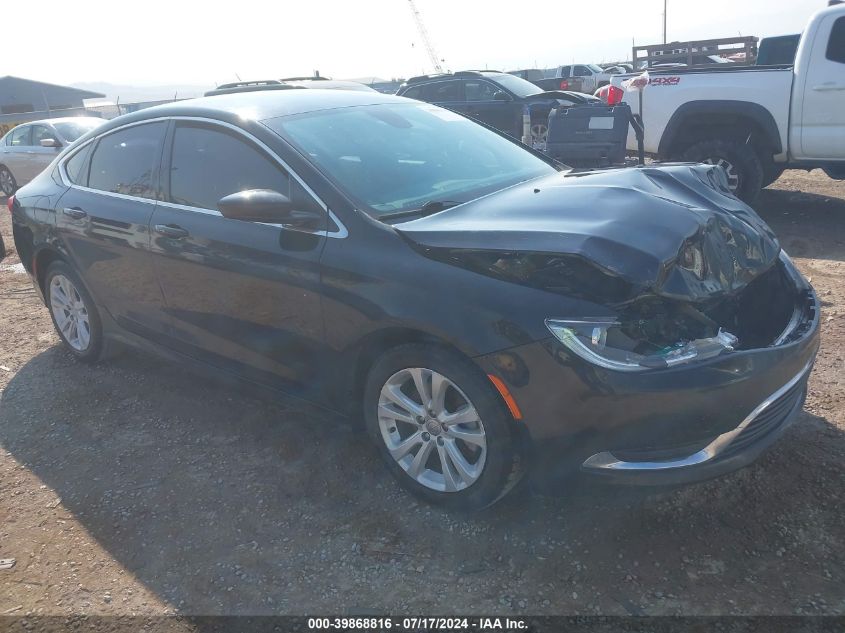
<point>74,212</point>
<point>829,87</point>
<point>171,230</point>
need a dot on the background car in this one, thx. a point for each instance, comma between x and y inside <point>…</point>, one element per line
<point>492,97</point>
<point>28,148</point>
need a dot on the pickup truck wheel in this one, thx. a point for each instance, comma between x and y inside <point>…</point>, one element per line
<point>739,160</point>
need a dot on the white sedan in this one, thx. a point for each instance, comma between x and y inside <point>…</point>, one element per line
<point>29,147</point>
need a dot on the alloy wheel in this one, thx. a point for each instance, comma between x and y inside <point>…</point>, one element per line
<point>730,170</point>
<point>7,182</point>
<point>70,313</point>
<point>432,430</point>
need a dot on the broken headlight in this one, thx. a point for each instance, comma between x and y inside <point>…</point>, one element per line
<point>609,344</point>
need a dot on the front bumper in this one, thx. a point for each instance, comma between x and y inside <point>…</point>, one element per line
<point>728,452</point>
<point>667,426</point>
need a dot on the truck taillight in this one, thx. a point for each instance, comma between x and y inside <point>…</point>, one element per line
<point>614,95</point>
<point>10,202</point>
<point>564,84</point>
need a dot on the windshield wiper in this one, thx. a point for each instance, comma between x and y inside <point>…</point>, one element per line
<point>429,208</point>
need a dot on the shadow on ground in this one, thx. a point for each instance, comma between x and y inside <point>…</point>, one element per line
<point>807,224</point>
<point>225,503</point>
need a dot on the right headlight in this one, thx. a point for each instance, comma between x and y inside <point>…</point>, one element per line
<point>603,342</point>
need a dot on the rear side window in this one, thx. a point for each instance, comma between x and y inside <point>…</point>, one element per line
<point>77,167</point>
<point>124,162</point>
<point>20,136</point>
<point>582,71</point>
<point>836,44</point>
<point>209,163</point>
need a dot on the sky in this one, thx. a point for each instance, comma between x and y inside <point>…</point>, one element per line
<point>155,42</point>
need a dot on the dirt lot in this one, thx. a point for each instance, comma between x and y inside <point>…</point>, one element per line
<point>134,487</point>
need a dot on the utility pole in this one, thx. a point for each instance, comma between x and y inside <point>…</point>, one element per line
<point>665,3</point>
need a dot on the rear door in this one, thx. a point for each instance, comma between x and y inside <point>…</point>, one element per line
<point>103,220</point>
<point>242,295</point>
<point>822,117</point>
<point>586,77</point>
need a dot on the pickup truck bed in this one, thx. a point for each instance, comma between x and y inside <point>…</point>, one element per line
<point>755,121</point>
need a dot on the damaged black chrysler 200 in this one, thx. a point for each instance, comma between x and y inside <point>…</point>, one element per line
<point>482,309</point>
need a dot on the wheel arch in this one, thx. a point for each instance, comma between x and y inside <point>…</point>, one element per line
<point>367,351</point>
<point>41,260</point>
<point>370,349</point>
<point>701,120</point>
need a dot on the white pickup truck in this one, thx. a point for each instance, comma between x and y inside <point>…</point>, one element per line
<point>755,121</point>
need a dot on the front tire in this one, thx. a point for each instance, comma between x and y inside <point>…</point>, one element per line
<point>74,314</point>
<point>440,426</point>
<point>739,160</point>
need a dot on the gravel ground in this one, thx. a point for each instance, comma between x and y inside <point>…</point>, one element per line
<point>135,487</point>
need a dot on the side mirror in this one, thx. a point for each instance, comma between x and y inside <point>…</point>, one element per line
<point>50,142</point>
<point>501,95</point>
<point>266,205</point>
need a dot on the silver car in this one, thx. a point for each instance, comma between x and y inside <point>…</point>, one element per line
<point>28,148</point>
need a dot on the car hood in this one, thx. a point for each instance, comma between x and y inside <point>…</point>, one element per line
<point>672,230</point>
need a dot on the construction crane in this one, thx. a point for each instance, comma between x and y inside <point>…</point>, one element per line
<point>432,54</point>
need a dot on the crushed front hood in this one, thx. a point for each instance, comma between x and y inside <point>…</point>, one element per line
<point>670,229</point>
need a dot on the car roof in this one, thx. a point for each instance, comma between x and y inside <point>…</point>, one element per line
<point>256,106</point>
<point>63,119</point>
<point>334,84</point>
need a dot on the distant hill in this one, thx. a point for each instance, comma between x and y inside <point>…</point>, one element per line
<point>133,94</point>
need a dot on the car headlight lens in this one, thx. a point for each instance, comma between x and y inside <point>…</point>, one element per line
<point>604,342</point>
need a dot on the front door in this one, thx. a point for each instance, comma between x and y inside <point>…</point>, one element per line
<point>488,103</point>
<point>242,295</point>
<point>822,119</point>
<point>42,156</point>
<point>103,220</point>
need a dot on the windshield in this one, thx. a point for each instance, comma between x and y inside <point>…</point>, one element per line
<point>594,68</point>
<point>72,130</point>
<point>397,157</point>
<point>517,85</point>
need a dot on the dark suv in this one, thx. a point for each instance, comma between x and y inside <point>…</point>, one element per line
<point>492,97</point>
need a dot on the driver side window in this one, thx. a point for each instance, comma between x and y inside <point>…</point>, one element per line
<point>209,163</point>
<point>480,91</point>
<point>40,132</point>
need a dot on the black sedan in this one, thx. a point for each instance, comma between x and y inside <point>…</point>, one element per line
<point>481,308</point>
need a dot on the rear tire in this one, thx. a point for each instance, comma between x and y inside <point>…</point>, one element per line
<point>425,452</point>
<point>740,161</point>
<point>8,184</point>
<point>74,314</point>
